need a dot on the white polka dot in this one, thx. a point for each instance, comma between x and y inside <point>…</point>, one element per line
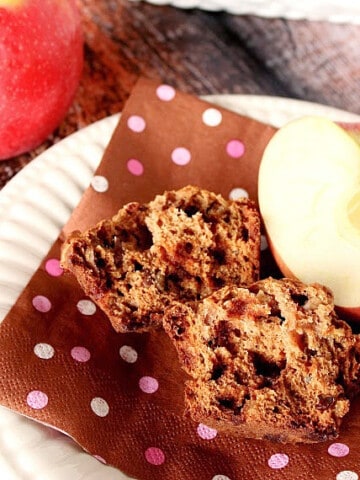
<point>220,477</point>
<point>212,117</point>
<point>347,475</point>
<point>263,243</point>
<point>86,307</point>
<point>237,193</point>
<point>128,354</point>
<point>100,184</point>
<point>100,407</point>
<point>44,351</point>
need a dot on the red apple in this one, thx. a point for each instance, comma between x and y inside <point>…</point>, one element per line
<point>41,58</point>
<point>309,198</point>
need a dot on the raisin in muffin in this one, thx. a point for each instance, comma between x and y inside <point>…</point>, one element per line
<point>183,245</point>
<point>271,361</point>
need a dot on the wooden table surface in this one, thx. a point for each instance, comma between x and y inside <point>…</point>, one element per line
<point>204,53</point>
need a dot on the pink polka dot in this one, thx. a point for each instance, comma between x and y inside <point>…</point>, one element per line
<point>41,304</point>
<point>52,266</point>
<point>338,450</point>
<point>235,148</point>
<point>37,399</point>
<point>165,93</point>
<point>148,384</point>
<point>135,167</point>
<point>278,460</point>
<point>181,156</point>
<point>100,459</point>
<point>136,123</point>
<point>155,456</point>
<point>80,354</point>
<point>206,433</point>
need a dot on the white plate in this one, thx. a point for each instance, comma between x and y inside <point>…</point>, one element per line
<point>329,10</point>
<point>33,208</point>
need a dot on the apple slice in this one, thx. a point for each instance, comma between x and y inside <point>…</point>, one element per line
<point>353,129</point>
<point>309,198</point>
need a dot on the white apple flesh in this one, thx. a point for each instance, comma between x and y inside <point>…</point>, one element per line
<point>309,198</point>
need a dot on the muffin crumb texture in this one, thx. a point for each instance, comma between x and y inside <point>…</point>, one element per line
<point>183,245</point>
<point>270,361</point>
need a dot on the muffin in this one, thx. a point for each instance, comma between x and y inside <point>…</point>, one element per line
<point>181,246</point>
<point>268,361</point>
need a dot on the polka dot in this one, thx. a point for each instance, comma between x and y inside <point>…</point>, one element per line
<point>347,475</point>
<point>128,354</point>
<point>41,304</point>
<point>278,460</point>
<point>100,407</point>
<point>263,243</point>
<point>181,156</point>
<point>235,148</point>
<point>220,477</point>
<point>148,384</point>
<point>338,450</point>
<point>165,93</point>
<point>80,354</point>
<point>136,123</point>
<point>237,193</point>
<point>37,399</point>
<point>100,459</point>
<point>155,456</point>
<point>100,184</point>
<point>206,433</point>
<point>86,307</point>
<point>135,167</point>
<point>212,117</point>
<point>44,351</point>
<point>53,268</point>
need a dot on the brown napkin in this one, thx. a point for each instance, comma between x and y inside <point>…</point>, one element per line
<point>121,396</point>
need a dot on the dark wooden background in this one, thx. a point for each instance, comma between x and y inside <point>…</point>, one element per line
<point>205,53</point>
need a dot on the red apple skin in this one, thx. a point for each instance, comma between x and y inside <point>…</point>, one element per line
<point>350,314</point>
<point>41,60</point>
<point>353,129</point>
